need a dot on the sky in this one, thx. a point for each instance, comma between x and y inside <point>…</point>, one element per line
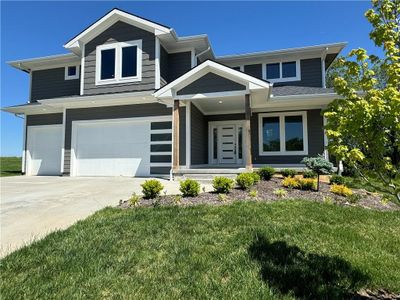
<point>35,29</point>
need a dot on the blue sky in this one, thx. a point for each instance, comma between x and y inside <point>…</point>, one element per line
<point>34,29</point>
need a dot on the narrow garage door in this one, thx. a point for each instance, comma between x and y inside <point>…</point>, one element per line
<point>44,150</point>
<point>111,148</point>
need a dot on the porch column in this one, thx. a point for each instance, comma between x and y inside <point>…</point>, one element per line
<point>247,132</point>
<point>175,138</point>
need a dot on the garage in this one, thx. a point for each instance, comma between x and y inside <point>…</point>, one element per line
<point>44,145</point>
<point>111,147</point>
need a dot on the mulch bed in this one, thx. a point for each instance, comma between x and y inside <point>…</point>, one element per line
<point>265,193</point>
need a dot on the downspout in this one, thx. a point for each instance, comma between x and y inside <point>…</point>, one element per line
<point>202,52</point>
<point>323,57</point>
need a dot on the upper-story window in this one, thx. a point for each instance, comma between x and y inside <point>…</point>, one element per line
<point>71,72</point>
<point>119,62</point>
<point>282,71</point>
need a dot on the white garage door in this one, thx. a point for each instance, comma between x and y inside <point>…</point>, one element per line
<point>111,148</point>
<point>44,150</point>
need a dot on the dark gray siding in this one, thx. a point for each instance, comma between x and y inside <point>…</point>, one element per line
<point>51,83</point>
<point>315,140</point>
<point>163,66</point>
<point>254,70</point>
<point>178,64</point>
<point>112,112</point>
<point>121,32</point>
<point>210,83</point>
<point>45,119</point>
<point>311,74</point>
<point>199,137</point>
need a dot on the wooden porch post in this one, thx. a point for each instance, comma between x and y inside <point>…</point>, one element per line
<point>247,132</point>
<point>175,138</point>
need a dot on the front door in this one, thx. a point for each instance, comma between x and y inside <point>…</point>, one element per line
<point>226,143</point>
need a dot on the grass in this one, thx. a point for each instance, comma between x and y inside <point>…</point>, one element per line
<point>247,250</point>
<point>10,166</point>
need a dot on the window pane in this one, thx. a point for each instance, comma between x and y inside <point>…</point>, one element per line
<point>72,71</point>
<point>273,71</point>
<point>236,68</point>
<point>294,133</point>
<point>215,143</point>
<point>271,140</point>
<point>107,64</point>
<point>289,69</point>
<point>240,143</point>
<point>129,61</point>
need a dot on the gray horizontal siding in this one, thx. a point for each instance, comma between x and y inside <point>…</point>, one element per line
<point>112,112</point>
<point>199,137</point>
<point>51,83</point>
<point>121,32</point>
<point>178,64</point>
<point>315,141</point>
<point>163,66</point>
<point>254,70</point>
<point>210,83</point>
<point>44,119</point>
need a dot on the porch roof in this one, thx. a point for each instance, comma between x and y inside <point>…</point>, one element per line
<point>251,84</point>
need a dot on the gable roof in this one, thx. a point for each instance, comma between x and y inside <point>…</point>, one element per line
<point>111,18</point>
<point>209,66</point>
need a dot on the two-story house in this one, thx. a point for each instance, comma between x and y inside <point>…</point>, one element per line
<point>132,98</point>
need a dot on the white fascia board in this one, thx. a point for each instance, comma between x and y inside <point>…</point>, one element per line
<point>111,18</point>
<point>31,109</point>
<point>46,62</point>
<point>213,67</point>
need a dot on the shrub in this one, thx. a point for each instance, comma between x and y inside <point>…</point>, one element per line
<point>256,177</point>
<point>354,198</point>
<point>288,172</point>
<point>310,174</point>
<point>337,179</point>
<point>341,190</point>
<point>245,180</point>
<point>253,194</point>
<point>328,200</point>
<point>290,182</point>
<point>134,200</point>
<point>266,173</point>
<point>280,193</point>
<point>222,184</point>
<point>151,188</point>
<point>319,165</point>
<point>189,188</point>
<point>222,197</point>
<point>307,183</point>
<point>177,199</point>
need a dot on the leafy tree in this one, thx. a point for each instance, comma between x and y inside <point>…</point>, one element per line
<point>363,126</point>
<point>318,165</point>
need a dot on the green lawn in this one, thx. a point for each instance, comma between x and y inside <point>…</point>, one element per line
<point>10,166</point>
<point>244,250</point>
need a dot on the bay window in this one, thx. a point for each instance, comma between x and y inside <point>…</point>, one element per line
<point>283,133</point>
<point>119,62</point>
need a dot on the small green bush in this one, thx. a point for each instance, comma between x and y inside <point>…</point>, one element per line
<point>222,184</point>
<point>280,193</point>
<point>245,180</point>
<point>189,188</point>
<point>354,198</point>
<point>222,197</point>
<point>151,188</point>
<point>288,172</point>
<point>341,190</point>
<point>291,183</point>
<point>337,179</point>
<point>310,174</point>
<point>253,194</point>
<point>134,200</point>
<point>256,177</point>
<point>307,184</point>
<point>266,173</point>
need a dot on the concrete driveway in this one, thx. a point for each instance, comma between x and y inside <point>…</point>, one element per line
<point>31,207</point>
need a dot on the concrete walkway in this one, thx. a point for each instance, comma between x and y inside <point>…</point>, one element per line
<point>32,207</point>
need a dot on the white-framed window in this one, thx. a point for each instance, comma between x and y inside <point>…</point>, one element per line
<point>71,72</point>
<point>281,71</point>
<point>119,62</point>
<point>283,133</point>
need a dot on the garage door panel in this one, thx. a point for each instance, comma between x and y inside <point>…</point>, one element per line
<point>112,148</point>
<point>44,149</point>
